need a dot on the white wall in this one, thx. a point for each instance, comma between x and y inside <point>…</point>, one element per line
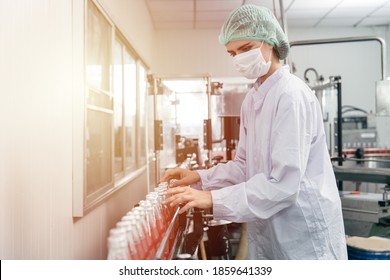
<point>36,108</point>
<point>133,20</point>
<point>297,34</point>
<point>41,54</point>
<point>358,63</point>
<point>41,45</point>
<point>190,53</point>
<point>194,53</point>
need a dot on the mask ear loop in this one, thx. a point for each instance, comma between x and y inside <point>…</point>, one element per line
<point>262,42</point>
<point>270,55</point>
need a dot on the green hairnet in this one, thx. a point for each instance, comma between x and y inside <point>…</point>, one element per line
<point>251,22</point>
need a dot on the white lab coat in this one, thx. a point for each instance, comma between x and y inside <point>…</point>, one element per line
<point>281,182</point>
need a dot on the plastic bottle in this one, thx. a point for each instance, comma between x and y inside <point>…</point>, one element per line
<point>151,220</point>
<point>117,245</point>
<point>138,235</point>
<point>140,216</point>
<point>134,250</point>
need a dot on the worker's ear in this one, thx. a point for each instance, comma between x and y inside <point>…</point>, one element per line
<point>275,55</point>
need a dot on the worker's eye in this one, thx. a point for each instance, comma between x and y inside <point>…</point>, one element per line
<point>248,48</point>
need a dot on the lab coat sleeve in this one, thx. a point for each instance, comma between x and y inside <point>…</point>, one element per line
<point>224,174</point>
<point>230,173</point>
<point>265,195</point>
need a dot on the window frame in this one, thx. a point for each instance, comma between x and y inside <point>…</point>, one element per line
<point>82,201</point>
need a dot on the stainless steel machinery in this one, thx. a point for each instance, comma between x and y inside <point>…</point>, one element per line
<point>352,142</point>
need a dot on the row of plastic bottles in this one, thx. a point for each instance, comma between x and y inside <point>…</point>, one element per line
<point>139,233</point>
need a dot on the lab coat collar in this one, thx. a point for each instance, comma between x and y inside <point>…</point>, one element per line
<point>261,89</point>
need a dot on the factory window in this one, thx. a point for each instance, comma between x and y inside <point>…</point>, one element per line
<point>98,59</point>
<point>125,106</point>
<point>142,90</point>
<point>130,107</point>
<point>118,106</point>
<point>99,105</point>
<point>130,92</point>
<point>115,111</point>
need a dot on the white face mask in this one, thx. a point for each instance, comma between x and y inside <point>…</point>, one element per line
<point>251,64</point>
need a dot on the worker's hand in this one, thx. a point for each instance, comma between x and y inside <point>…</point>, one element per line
<point>184,177</point>
<point>189,197</point>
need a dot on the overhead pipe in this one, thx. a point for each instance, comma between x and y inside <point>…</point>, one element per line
<point>282,18</point>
